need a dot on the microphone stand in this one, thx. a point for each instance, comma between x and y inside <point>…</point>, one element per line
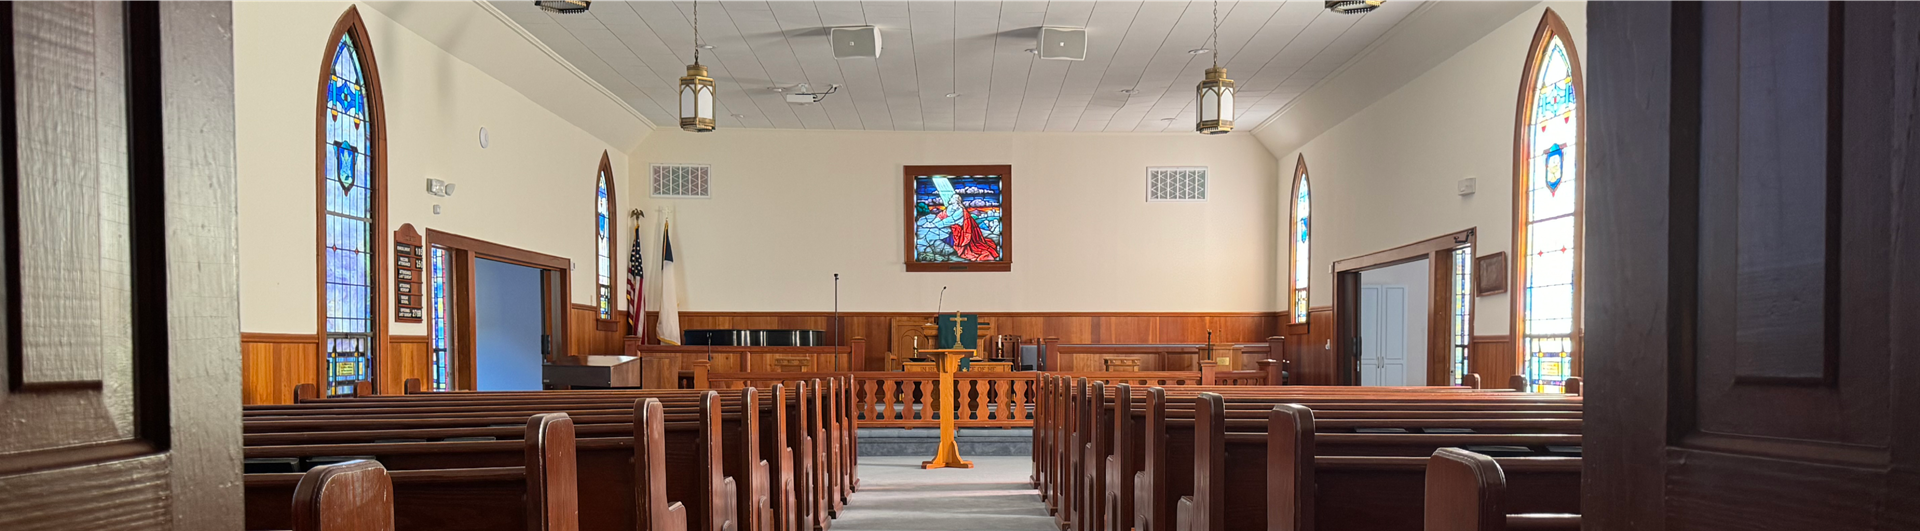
<point>837,339</point>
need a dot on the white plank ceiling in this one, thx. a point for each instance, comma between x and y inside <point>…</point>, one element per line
<point>1138,75</point>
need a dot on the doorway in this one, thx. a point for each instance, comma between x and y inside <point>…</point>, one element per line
<point>1403,316</point>
<point>509,337</point>
<point>511,302</point>
<point>1392,323</point>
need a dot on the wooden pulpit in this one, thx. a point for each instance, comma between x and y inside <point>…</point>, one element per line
<point>948,456</point>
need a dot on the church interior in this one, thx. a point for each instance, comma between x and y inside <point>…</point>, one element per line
<point>733,265</point>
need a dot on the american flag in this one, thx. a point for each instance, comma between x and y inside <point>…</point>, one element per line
<point>636,288</point>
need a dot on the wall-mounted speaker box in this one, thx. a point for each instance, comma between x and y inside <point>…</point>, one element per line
<point>855,42</point>
<point>1066,44</point>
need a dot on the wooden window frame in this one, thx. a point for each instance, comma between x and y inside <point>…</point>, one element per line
<point>1293,247</point>
<point>350,24</point>
<point>1550,27</point>
<point>611,322</point>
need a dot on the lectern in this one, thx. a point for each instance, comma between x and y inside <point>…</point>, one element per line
<point>949,453</point>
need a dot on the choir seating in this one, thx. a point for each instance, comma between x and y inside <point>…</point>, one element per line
<point>637,450</point>
<point>1289,457</point>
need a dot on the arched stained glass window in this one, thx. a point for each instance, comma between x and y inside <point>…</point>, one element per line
<point>1301,240</point>
<point>351,197</point>
<point>605,226</point>
<point>1547,229</point>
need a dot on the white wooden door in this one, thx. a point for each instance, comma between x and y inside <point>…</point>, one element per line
<point>1383,335</point>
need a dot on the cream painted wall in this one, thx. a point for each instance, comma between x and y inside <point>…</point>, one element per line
<point>533,188</point>
<point>1386,176</point>
<point>791,208</point>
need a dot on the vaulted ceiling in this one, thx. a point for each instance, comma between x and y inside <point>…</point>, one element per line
<point>1138,75</point>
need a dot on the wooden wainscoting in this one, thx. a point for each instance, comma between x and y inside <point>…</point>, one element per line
<point>405,357</point>
<point>1069,327</point>
<point>271,364</point>
<point>1492,357</point>
<point>587,336</point>
<point>1312,361</point>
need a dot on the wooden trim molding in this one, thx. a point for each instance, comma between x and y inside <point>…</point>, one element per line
<point>1405,253</point>
<point>278,338</point>
<point>494,251</point>
<point>350,24</point>
<point>1550,26</point>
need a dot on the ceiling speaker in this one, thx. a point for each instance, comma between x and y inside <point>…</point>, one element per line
<point>855,42</point>
<point>1066,44</point>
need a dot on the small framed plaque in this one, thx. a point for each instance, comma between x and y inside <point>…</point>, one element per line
<point>1490,274</point>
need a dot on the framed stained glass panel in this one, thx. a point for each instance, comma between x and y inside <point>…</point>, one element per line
<point>1547,231</point>
<point>959,218</point>
<point>441,327</point>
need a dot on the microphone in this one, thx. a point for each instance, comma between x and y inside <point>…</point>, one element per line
<point>943,300</point>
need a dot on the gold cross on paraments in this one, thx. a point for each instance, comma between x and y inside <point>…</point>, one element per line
<point>957,319</point>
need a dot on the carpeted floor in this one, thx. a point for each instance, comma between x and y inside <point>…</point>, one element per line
<point>895,494</point>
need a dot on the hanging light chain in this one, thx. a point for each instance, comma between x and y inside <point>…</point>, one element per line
<point>1216,33</point>
<point>696,31</point>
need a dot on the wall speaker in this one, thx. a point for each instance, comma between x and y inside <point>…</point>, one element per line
<point>855,42</point>
<point>1065,44</point>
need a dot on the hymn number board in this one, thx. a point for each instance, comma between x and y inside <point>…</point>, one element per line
<point>409,260</point>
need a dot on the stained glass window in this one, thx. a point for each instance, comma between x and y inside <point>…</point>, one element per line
<point>604,246</point>
<point>1550,227</point>
<point>442,325</point>
<point>1462,315</point>
<point>1301,215</point>
<point>350,255</point>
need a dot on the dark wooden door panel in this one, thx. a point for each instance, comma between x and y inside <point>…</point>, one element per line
<point>1755,276</point>
<point>120,402</point>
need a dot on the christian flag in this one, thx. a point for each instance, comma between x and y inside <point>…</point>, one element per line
<point>636,288</point>
<point>669,327</point>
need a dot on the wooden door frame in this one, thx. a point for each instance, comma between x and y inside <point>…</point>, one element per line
<point>553,315</point>
<point>1346,302</point>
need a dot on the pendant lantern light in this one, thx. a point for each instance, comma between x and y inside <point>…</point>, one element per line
<point>696,88</point>
<point>1216,91</point>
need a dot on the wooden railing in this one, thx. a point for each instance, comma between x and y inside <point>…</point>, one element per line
<point>983,399</point>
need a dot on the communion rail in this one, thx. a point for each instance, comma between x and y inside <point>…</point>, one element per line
<point>887,399</point>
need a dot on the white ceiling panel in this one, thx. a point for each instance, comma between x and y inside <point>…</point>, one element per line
<point>977,51</point>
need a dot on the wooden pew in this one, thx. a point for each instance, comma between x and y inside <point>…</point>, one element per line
<point>1437,413</point>
<point>350,496</point>
<point>702,472</point>
<point>1052,459</point>
<point>470,404</point>
<point>609,464</point>
<point>1291,477</point>
<point>1467,491</point>
<point>834,445</point>
<point>538,495</point>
